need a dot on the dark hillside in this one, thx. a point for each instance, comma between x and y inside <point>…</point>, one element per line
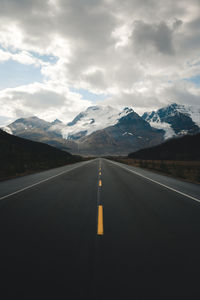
<point>186,148</point>
<point>22,156</point>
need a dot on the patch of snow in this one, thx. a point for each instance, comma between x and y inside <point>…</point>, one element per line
<point>127,133</point>
<point>169,132</point>
<point>7,129</point>
<point>183,132</point>
<point>172,110</point>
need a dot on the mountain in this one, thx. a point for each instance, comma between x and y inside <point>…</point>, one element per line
<point>92,119</point>
<point>130,132</point>
<point>182,148</point>
<point>39,130</point>
<point>22,156</point>
<point>103,130</point>
<point>27,124</point>
<point>96,131</point>
<point>56,122</point>
<point>33,126</point>
<point>175,119</point>
<point>67,136</point>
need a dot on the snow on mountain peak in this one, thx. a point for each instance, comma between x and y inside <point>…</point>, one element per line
<point>166,118</point>
<point>92,119</point>
<point>192,111</point>
<point>7,129</point>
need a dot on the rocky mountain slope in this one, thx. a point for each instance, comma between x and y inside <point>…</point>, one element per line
<point>130,132</point>
<point>39,130</point>
<point>175,119</point>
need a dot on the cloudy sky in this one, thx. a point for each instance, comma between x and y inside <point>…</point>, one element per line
<point>58,57</point>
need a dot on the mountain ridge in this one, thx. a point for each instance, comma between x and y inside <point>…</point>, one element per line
<point>105,130</point>
<point>113,140</point>
<point>175,119</point>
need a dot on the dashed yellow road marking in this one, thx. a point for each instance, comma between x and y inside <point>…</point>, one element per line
<point>100,220</point>
<point>100,182</point>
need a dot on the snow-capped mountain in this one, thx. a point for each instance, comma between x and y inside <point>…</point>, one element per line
<point>29,123</point>
<point>97,130</point>
<point>92,119</point>
<point>175,119</point>
<point>130,133</point>
<point>101,130</point>
<point>34,125</point>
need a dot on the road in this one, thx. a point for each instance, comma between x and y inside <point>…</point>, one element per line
<point>99,230</point>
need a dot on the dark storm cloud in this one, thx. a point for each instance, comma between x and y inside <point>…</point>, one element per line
<point>159,36</point>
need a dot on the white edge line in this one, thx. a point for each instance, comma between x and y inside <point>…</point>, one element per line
<point>39,182</point>
<point>174,190</point>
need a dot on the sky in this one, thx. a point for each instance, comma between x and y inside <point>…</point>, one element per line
<point>57,57</point>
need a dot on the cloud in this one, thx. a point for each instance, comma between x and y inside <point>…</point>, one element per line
<point>136,51</point>
<point>23,57</point>
<point>45,102</point>
<point>176,24</point>
<point>95,78</point>
<point>153,95</point>
<point>158,36</point>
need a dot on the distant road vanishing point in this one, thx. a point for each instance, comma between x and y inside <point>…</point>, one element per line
<point>99,230</point>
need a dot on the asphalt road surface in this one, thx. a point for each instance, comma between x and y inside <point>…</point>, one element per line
<point>99,230</point>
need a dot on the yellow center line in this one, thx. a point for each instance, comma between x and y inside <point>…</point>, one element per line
<point>100,182</point>
<point>100,173</point>
<point>100,220</point>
